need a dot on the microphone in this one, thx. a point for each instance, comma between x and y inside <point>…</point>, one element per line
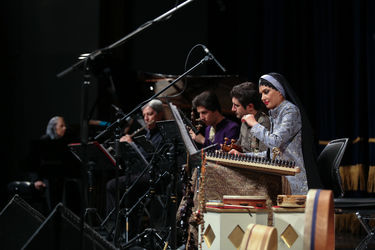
<point>129,120</point>
<point>117,109</point>
<point>211,56</point>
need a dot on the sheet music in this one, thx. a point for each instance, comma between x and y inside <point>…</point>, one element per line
<point>189,143</point>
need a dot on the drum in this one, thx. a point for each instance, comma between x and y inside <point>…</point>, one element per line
<point>319,230</point>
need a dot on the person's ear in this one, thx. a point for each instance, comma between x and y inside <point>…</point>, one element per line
<point>250,107</point>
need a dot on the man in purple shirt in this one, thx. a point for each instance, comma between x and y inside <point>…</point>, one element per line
<point>218,126</point>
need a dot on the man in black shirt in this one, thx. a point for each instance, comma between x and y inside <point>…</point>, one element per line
<point>152,112</point>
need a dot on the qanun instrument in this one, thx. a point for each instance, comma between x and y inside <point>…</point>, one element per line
<point>254,163</point>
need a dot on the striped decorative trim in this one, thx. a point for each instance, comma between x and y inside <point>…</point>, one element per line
<point>249,236</point>
<point>323,142</point>
<point>356,140</point>
<point>313,224</point>
<point>319,220</point>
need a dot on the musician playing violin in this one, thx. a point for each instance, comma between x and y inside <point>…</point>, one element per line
<point>218,126</point>
<point>246,100</point>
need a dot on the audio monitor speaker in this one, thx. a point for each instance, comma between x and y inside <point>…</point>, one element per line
<point>18,221</point>
<point>62,229</point>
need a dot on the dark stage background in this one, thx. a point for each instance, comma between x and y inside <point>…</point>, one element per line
<point>324,48</point>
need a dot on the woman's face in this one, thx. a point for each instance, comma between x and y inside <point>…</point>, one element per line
<point>60,127</point>
<point>270,97</point>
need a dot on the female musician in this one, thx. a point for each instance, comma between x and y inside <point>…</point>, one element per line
<point>289,127</point>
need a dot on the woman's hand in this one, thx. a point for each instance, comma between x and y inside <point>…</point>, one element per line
<point>249,119</point>
<point>235,152</point>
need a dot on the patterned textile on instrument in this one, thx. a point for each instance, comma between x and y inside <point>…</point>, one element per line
<point>222,180</point>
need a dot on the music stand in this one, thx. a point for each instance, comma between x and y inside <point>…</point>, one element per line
<point>168,130</point>
<point>137,165</point>
<point>144,143</point>
<point>98,158</point>
<point>191,148</point>
<point>97,153</point>
<point>190,145</point>
<point>133,157</point>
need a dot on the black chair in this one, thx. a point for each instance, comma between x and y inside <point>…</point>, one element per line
<point>364,208</point>
<point>37,199</point>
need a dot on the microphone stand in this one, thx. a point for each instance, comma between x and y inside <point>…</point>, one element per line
<point>84,101</point>
<point>96,53</point>
<point>113,125</point>
<point>118,123</point>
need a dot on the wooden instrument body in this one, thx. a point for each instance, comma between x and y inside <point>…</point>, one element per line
<point>259,237</point>
<point>254,201</point>
<point>254,163</point>
<point>291,201</point>
<point>228,147</point>
<point>319,230</point>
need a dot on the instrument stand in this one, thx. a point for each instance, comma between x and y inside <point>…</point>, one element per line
<point>122,199</point>
<point>149,194</point>
<point>173,195</point>
<point>84,141</point>
<point>91,212</point>
<point>98,158</point>
<point>152,238</point>
<point>126,211</point>
<point>118,158</point>
<point>150,235</point>
<point>172,136</point>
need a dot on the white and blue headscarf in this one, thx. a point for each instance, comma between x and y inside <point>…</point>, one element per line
<point>274,82</point>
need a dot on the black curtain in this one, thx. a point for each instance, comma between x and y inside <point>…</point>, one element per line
<point>325,49</point>
<point>344,80</point>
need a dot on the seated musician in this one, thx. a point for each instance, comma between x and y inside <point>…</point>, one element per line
<point>218,126</point>
<point>52,163</point>
<point>55,131</point>
<point>152,112</point>
<point>246,100</point>
<point>288,130</point>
